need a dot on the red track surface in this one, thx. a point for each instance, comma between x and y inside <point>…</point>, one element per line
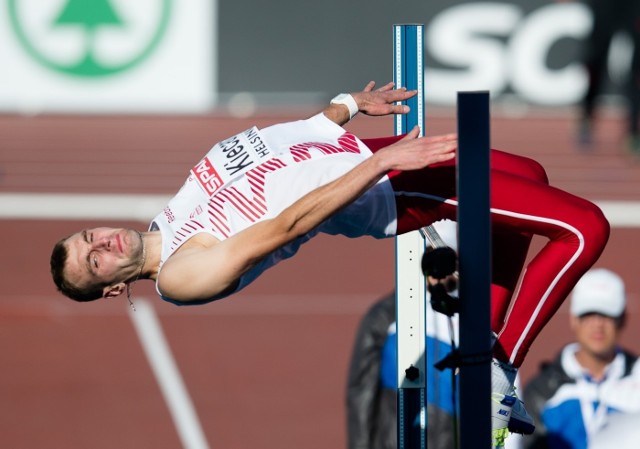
<point>265,369</point>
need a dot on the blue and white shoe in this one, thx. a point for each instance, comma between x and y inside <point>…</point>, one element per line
<point>520,421</point>
<point>508,415</point>
<point>501,410</point>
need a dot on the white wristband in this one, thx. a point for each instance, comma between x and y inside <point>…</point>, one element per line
<point>348,101</point>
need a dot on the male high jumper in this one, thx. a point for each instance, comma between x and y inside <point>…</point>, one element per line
<point>257,196</point>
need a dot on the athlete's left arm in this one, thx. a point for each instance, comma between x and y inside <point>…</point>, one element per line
<point>372,102</point>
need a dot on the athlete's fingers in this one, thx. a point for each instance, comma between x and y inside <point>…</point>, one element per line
<point>400,109</point>
<point>446,156</point>
<point>401,94</point>
<point>438,157</point>
<point>387,87</point>
<point>413,134</point>
<point>369,87</point>
<point>444,138</point>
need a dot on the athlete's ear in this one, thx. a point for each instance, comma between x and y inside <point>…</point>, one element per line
<point>114,290</point>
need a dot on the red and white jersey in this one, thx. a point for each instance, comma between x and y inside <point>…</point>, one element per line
<point>256,174</point>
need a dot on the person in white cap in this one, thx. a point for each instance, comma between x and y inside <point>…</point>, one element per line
<point>593,378</point>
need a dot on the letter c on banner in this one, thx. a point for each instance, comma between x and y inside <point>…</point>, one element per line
<point>530,45</point>
<point>464,37</point>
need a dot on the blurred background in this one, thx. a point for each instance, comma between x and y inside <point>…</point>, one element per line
<point>106,104</point>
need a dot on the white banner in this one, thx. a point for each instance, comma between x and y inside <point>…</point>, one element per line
<point>496,46</point>
<point>107,56</point>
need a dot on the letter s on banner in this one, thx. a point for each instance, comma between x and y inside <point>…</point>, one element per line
<point>462,37</point>
<point>530,45</point>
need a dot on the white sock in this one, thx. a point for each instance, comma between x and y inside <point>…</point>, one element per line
<point>503,376</point>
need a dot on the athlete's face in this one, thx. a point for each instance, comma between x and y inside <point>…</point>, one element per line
<point>103,256</point>
<point>597,334</point>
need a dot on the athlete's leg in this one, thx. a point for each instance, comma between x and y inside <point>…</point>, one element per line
<point>509,248</point>
<point>577,232</point>
<point>439,181</point>
<point>520,206</point>
<point>508,254</point>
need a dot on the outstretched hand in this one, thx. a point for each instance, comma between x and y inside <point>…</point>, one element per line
<point>413,152</point>
<point>381,101</point>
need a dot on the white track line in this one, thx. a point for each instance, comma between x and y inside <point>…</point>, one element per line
<point>126,207</point>
<point>166,372</point>
<point>69,206</point>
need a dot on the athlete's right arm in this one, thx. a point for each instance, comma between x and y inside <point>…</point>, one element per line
<point>201,273</point>
<point>379,102</point>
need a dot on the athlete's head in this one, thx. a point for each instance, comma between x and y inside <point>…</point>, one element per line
<point>96,263</point>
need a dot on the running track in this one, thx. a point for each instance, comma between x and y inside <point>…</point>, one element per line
<point>266,369</point>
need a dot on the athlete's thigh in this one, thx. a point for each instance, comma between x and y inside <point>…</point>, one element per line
<point>518,165</point>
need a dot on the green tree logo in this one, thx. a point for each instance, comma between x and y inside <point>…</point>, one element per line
<point>86,19</point>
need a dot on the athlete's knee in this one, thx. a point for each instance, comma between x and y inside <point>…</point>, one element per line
<point>532,169</point>
<point>519,165</point>
<point>537,171</point>
<point>595,227</point>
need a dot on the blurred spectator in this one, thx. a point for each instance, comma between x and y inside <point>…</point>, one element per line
<point>573,397</point>
<point>372,384</point>
<point>371,409</point>
<point>610,17</point>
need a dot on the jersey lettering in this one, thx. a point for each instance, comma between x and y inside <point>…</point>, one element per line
<point>207,176</point>
<point>230,159</point>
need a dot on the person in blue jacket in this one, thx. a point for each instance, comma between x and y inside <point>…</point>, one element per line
<point>574,397</point>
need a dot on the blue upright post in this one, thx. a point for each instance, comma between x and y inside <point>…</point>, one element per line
<point>408,64</point>
<point>410,285</point>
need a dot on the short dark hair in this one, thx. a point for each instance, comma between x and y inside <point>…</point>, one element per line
<point>59,257</point>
